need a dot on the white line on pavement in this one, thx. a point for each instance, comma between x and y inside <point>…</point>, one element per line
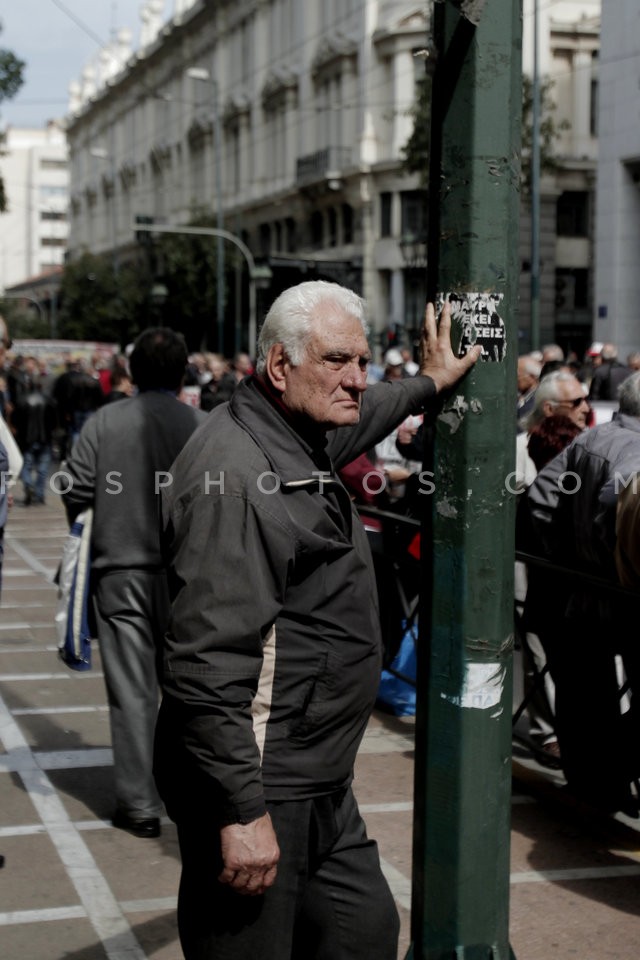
<point>577,873</point>
<point>96,896</point>
<point>399,885</point>
<point>49,711</point>
<point>385,807</point>
<point>31,558</point>
<point>74,759</point>
<point>38,916</point>
<point>145,906</point>
<point>77,676</point>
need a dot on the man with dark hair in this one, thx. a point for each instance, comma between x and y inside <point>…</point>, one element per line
<point>118,465</point>
<point>158,360</point>
<point>77,395</point>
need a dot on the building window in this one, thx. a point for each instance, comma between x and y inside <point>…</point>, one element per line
<point>332,225</point>
<point>49,164</point>
<point>385,214</point>
<point>413,212</point>
<point>265,239</point>
<point>572,214</point>
<point>594,105</point>
<point>48,190</point>
<point>290,235</point>
<point>572,290</point>
<point>53,241</point>
<point>316,229</point>
<point>347,223</point>
<point>53,215</point>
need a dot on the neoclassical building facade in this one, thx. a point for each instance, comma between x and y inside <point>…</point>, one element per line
<point>284,119</point>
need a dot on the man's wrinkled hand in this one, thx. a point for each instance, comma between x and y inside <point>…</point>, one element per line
<point>250,854</point>
<point>437,359</point>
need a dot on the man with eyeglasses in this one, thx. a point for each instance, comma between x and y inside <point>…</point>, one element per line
<point>273,654</point>
<point>561,392</point>
<point>572,510</point>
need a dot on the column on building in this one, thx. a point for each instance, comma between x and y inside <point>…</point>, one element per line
<point>404,91</point>
<point>397,297</point>
<point>581,118</point>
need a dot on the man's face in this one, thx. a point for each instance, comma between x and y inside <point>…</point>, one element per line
<point>572,401</point>
<point>243,364</point>
<point>328,385</point>
<point>526,380</point>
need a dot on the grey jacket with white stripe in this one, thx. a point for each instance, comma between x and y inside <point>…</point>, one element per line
<point>272,660</point>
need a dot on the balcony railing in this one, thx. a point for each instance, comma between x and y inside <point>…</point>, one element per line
<point>316,166</point>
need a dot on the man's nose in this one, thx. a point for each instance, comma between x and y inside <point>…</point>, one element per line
<point>355,377</point>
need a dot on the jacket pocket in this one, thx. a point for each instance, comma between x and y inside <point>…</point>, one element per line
<point>319,701</point>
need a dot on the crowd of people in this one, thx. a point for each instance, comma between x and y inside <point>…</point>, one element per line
<point>230,569</point>
<point>231,573</point>
<point>578,480</point>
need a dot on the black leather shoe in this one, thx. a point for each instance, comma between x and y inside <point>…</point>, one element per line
<point>147,829</point>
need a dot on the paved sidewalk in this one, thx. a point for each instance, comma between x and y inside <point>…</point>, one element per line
<point>75,888</point>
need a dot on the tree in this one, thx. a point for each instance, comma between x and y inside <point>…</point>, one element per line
<point>24,319</point>
<point>98,303</point>
<point>550,130</point>
<point>416,149</point>
<point>11,79</point>
<point>186,264</point>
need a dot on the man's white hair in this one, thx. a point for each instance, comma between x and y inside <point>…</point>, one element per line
<point>291,314</point>
<point>629,395</point>
<point>547,391</point>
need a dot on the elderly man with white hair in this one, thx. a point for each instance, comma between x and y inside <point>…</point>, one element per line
<point>273,654</point>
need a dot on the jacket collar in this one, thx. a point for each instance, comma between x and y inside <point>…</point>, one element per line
<point>627,421</point>
<point>296,450</point>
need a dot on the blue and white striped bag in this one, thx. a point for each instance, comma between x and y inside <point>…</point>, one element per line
<point>72,614</point>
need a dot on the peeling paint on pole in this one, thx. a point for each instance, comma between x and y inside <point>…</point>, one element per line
<point>471,10</point>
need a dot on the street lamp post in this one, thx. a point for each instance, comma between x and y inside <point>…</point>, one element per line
<point>535,187</point>
<point>258,276</point>
<point>201,73</point>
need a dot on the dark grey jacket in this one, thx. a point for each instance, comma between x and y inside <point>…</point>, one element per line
<point>118,465</point>
<point>272,660</point>
<point>578,528</point>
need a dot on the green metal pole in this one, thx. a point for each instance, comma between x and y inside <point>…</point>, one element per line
<point>535,187</point>
<point>463,727</point>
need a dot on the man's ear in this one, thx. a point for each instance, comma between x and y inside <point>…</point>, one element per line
<point>277,366</point>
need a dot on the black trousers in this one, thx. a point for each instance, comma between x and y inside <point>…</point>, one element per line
<point>330,900</point>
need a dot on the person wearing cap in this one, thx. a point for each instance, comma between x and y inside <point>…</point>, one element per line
<point>393,365</point>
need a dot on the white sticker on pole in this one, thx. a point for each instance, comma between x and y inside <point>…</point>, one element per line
<point>478,319</point>
<point>482,687</point>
